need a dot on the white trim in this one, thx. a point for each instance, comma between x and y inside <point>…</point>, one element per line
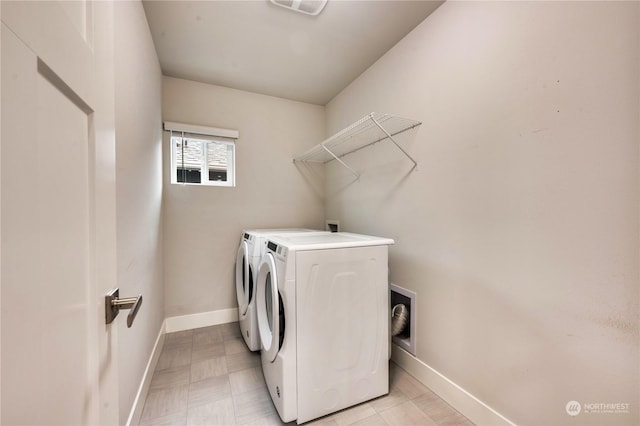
<point>202,319</point>
<point>201,130</point>
<point>467,404</point>
<point>143,390</point>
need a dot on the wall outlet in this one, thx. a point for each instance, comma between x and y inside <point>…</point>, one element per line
<point>406,339</point>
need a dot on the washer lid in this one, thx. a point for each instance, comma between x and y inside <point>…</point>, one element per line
<point>328,240</point>
<point>258,238</point>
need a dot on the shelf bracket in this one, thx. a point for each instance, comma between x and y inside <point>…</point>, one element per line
<point>415,164</point>
<point>356,174</point>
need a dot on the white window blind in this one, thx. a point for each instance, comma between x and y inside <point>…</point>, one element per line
<point>201,130</point>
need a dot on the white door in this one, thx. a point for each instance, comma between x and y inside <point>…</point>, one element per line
<point>58,214</point>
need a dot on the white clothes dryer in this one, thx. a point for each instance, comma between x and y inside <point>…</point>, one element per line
<point>252,247</point>
<point>323,318</point>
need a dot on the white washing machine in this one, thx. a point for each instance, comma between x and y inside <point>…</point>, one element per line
<point>323,317</point>
<point>252,247</point>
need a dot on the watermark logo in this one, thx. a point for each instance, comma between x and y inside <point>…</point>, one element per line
<point>573,408</point>
<point>606,407</point>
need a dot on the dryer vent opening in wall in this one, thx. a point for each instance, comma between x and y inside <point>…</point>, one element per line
<point>332,225</point>
<point>407,298</point>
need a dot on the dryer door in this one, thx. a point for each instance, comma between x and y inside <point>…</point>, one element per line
<point>269,307</point>
<point>244,280</point>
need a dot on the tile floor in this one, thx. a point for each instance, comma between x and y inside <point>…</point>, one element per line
<point>208,376</point>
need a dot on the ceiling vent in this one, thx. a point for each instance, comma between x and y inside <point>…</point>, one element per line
<point>308,7</point>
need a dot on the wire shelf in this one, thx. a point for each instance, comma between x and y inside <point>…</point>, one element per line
<point>370,129</point>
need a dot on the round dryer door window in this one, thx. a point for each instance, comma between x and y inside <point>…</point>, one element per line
<point>243,277</point>
<point>268,307</point>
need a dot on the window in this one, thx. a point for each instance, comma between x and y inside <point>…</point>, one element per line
<point>202,159</point>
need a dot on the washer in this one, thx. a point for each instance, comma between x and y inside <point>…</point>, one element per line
<point>250,251</point>
<point>323,318</point>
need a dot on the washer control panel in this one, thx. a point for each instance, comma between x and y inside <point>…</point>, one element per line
<point>278,251</point>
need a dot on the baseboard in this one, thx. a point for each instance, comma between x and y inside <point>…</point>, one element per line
<point>470,406</point>
<point>203,319</point>
<point>143,389</point>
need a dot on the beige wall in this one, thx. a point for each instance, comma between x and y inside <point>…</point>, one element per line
<point>202,225</point>
<point>519,231</point>
<point>139,193</point>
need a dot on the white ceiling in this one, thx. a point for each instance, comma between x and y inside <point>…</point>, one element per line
<point>260,47</point>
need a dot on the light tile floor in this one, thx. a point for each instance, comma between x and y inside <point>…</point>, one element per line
<point>208,376</point>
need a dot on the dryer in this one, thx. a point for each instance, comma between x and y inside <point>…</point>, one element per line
<point>323,318</point>
<point>250,251</point>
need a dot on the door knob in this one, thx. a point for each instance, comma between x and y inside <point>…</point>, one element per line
<point>113,304</point>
